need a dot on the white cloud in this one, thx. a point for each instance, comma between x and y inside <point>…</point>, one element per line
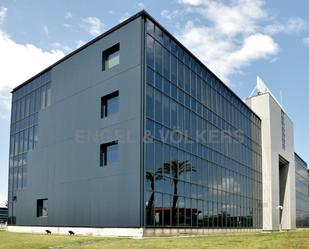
<point>228,184</point>
<point>306,41</point>
<point>226,56</point>
<point>175,13</point>
<point>60,46</point>
<point>296,24</point>
<point>257,46</point>
<point>93,25</point>
<point>239,17</point>
<point>194,2</point>
<point>229,35</point>
<point>68,15</point>
<point>3,11</point>
<point>293,25</point>
<point>31,60</point>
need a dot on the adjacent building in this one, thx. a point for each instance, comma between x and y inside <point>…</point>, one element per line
<point>302,192</point>
<point>132,131</point>
<point>278,163</point>
<point>3,215</point>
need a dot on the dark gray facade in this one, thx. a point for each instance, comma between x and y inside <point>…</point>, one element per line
<point>168,173</point>
<point>302,192</point>
<point>64,164</point>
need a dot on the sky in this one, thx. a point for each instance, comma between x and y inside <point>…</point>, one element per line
<point>237,39</point>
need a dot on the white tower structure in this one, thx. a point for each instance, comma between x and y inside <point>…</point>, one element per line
<point>278,163</point>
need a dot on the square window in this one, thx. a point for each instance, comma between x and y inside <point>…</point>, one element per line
<point>109,104</point>
<point>42,208</point>
<point>109,153</point>
<point>111,57</point>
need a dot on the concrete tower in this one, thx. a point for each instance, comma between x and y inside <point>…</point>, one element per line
<point>278,163</point>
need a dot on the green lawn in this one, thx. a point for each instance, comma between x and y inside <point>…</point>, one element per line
<point>286,240</point>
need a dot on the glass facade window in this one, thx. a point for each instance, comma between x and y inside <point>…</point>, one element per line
<point>203,160</point>
<point>42,208</point>
<point>111,57</point>
<point>27,102</point>
<point>302,193</point>
<point>109,104</point>
<point>109,153</point>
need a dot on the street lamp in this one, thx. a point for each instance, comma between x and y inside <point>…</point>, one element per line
<point>280,216</point>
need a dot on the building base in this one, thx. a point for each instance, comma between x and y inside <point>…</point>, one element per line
<point>3,226</point>
<point>84,231</point>
<point>161,232</point>
<point>126,232</point>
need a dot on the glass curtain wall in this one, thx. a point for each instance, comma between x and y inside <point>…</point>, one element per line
<point>202,144</point>
<point>302,193</point>
<point>27,101</point>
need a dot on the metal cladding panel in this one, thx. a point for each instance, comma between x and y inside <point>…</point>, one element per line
<point>65,164</point>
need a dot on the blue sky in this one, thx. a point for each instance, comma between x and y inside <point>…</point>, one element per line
<point>237,39</point>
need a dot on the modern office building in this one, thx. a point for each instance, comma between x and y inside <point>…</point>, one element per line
<point>3,215</point>
<point>131,132</point>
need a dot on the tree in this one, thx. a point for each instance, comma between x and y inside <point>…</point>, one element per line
<point>152,178</point>
<point>149,214</point>
<point>175,169</point>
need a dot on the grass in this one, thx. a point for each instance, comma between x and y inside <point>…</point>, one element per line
<point>286,240</point>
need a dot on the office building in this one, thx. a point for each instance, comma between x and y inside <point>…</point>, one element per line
<point>131,133</point>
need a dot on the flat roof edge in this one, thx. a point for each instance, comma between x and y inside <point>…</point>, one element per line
<point>130,19</point>
<point>139,14</point>
<point>200,62</point>
<point>300,158</point>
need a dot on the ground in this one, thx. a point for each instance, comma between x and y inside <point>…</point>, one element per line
<point>286,240</point>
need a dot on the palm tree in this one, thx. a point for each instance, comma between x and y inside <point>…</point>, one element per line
<point>175,169</point>
<point>152,178</point>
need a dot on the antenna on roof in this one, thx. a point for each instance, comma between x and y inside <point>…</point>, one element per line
<point>261,88</point>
